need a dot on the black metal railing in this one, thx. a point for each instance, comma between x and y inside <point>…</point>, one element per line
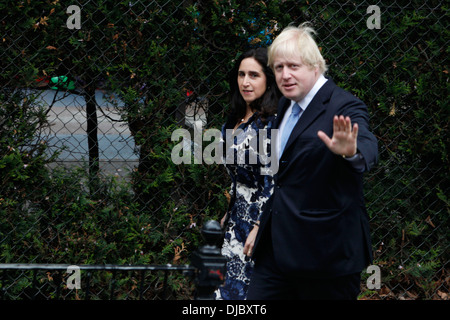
<point>65,281</point>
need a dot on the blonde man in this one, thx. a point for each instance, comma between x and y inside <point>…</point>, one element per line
<point>314,241</point>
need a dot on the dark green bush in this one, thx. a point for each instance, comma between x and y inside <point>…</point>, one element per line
<point>151,55</point>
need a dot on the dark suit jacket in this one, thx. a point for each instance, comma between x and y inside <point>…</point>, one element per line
<point>316,216</point>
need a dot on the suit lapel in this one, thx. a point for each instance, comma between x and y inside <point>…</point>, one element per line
<point>314,110</point>
<point>282,107</point>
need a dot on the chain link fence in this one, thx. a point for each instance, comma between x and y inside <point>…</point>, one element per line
<point>91,282</point>
<point>91,92</point>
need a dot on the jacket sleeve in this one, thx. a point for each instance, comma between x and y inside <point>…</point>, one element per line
<point>367,143</point>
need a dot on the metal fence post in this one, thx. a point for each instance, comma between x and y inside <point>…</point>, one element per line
<point>209,262</point>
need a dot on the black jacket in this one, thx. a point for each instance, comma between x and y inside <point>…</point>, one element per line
<point>316,216</point>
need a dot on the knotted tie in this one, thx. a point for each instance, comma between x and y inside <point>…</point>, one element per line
<point>290,124</point>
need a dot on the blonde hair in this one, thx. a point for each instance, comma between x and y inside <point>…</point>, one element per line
<point>298,42</point>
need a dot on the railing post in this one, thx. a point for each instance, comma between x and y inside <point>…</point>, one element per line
<point>209,262</point>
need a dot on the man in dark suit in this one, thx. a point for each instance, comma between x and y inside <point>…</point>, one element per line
<point>313,240</point>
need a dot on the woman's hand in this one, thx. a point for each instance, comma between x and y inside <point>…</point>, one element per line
<point>250,242</point>
<point>222,221</point>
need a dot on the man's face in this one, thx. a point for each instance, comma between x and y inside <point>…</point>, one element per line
<point>294,78</point>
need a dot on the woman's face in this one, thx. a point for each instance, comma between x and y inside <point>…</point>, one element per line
<point>251,80</point>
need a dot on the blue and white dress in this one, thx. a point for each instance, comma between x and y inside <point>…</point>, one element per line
<point>253,186</point>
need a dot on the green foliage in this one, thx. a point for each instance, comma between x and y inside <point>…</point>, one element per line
<point>151,55</point>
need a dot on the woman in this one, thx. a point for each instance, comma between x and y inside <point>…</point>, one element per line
<point>254,99</point>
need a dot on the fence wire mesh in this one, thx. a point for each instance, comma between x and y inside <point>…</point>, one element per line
<point>92,91</point>
<point>93,282</point>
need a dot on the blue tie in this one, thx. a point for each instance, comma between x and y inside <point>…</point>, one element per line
<point>290,124</point>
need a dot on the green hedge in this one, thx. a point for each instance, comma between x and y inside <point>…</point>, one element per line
<point>152,56</point>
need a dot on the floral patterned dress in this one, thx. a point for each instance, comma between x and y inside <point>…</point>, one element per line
<point>253,188</point>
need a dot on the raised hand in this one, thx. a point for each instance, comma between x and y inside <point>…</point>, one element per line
<point>344,139</point>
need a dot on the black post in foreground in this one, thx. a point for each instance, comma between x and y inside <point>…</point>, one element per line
<point>209,262</point>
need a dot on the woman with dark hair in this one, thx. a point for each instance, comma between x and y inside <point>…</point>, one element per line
<point>254,100</point>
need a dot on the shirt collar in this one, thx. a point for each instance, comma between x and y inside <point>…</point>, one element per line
<point>310,95</point>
